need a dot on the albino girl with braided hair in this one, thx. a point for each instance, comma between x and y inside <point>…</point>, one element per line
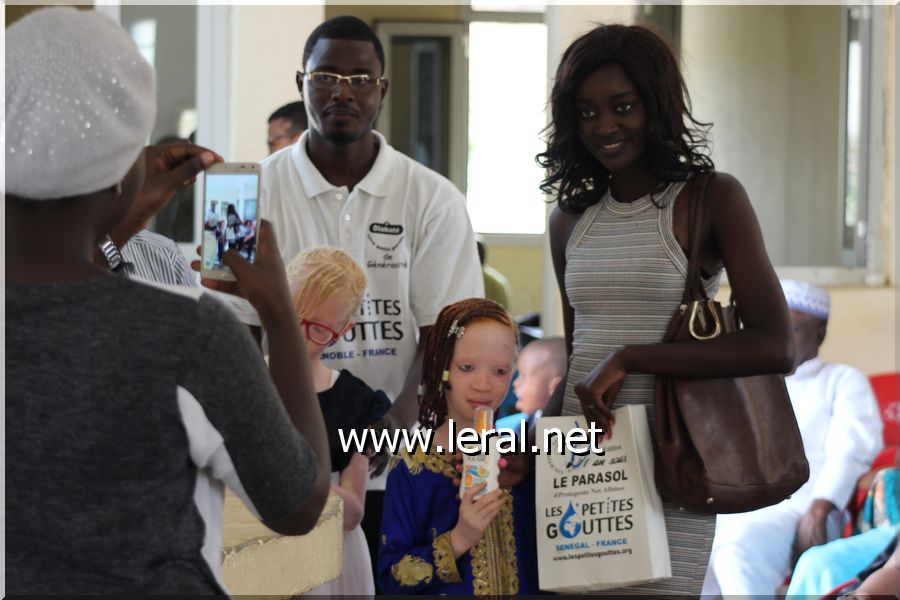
<point>433,542</point>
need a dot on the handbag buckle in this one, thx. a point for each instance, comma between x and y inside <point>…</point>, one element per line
<point>697,313</point>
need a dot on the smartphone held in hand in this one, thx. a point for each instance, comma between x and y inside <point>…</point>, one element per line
<point>230,216</point>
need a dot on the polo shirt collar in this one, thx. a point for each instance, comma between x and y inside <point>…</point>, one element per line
<point>377,181</point>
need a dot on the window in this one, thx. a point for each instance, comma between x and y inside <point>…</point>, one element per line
<point>473,109</point>
<point>800,122</point>
<point>512,7</point>
<point>662,18</point>
<point>143,32</point>
<point>420,94</point>
<point>188,48</point>
<point>424,113</point>
<point>167,37</point>
<point>856,101</point>
<point>507,99</point>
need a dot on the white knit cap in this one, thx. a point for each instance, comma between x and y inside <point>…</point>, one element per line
<point>806,298</point>
<point>80,104</point>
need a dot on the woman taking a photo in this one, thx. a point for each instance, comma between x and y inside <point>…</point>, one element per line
<point>623,157</point>
<point>125,418</point>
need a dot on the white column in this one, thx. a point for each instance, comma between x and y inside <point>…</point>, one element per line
<point>564,24</point>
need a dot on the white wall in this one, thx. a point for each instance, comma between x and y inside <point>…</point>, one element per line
<point>270,41</point>
<point>567,22</point>
<point>768,77</point>
<point>862,329</point>
<point>813,200</point>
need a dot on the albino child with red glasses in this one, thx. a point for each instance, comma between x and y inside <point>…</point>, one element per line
<point>327,288</point>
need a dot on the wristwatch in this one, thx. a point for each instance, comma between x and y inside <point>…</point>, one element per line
<point>112,254</point>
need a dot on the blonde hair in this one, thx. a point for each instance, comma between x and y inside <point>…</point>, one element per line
<point>316,274</point>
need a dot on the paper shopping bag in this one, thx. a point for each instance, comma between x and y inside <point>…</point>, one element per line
<point>599,517</point>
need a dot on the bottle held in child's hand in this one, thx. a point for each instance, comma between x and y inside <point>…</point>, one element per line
<point>481,468</point>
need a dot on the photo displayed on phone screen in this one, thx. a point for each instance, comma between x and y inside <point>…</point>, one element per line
<point>230,211</point>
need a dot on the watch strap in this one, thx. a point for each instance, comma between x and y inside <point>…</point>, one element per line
<point>111,252</point>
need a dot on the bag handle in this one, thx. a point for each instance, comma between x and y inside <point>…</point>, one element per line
<point>693,286</point>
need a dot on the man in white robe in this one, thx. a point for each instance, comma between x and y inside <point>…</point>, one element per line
<point>840,425</point>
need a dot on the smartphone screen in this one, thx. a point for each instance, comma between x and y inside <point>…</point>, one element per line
<point>230,215</point>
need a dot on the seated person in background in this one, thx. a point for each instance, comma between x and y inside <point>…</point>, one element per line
<point>824,568</point>
<point>882,581</point>
<point>285,125</point>
<point>496,285</point>
<point>840,425</point>
<point>327,288</point>
<point>541,366</point>
<point>128,406</point>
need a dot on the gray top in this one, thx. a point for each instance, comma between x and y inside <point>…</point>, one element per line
<point>624,278</point>
<point>126,407</point>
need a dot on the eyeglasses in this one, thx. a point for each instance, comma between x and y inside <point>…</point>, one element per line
<point>318,333</point>
<point>323,80</point>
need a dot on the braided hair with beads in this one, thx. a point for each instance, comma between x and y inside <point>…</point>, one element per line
<point>440,344</point>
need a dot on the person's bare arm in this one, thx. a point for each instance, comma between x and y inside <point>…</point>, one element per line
<point>883,583</point>
<point>561,226</point>
<point>293,378</point>
<point>352,490</point>
<point>168,167</point>
<point>812,529</point>
<point>264,285</point>
<point>764,345</point>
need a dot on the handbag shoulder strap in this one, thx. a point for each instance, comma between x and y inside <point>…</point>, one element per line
<point>693,286</point>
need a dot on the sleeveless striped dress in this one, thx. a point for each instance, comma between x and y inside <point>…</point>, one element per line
<point>624,278</point>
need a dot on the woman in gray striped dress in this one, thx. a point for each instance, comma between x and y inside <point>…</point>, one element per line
<point>623,149</point>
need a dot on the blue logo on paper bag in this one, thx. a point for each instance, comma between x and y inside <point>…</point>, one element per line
<point>567,527</point>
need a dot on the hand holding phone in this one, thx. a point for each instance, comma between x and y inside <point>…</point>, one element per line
<point>168,167</point>
<point>230,216</point>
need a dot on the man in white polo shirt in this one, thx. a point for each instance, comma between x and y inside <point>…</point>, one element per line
<point>343,186</point>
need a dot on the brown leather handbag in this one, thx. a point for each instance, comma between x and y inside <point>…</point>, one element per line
<point>722,445</point>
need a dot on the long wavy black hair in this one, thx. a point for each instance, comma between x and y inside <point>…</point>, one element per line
<point>676,143</point>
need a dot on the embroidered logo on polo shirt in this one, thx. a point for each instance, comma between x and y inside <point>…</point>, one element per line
<point>386,228</point>
<point>386,239</point>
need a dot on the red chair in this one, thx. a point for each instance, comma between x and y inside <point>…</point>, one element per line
<point>884,459</point>
<point>887,391</point>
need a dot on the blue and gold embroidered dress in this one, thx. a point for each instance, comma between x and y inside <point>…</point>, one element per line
<point>420,509</point>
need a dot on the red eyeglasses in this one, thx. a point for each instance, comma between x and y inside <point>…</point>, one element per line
<point>319,333</point>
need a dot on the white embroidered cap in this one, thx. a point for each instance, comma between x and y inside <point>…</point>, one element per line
<point>80,103</point>
<point>806,298</point>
